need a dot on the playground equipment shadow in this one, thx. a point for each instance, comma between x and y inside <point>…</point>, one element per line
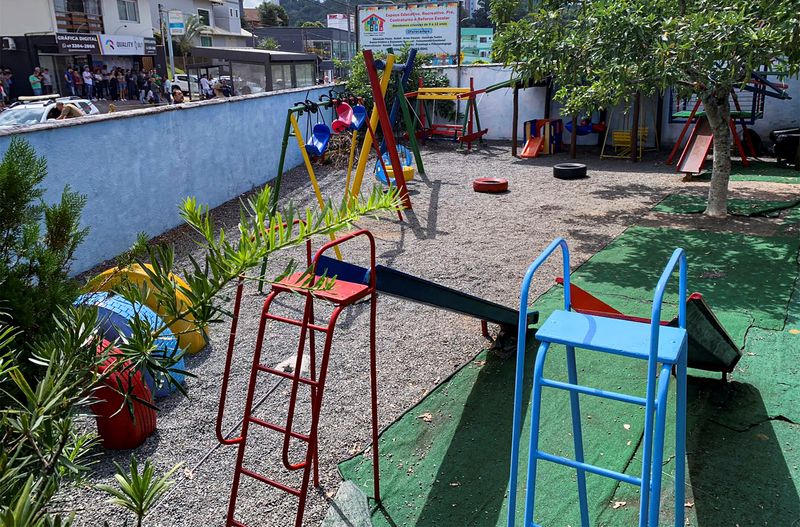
<point>449,454</point>
<point>473,242</point>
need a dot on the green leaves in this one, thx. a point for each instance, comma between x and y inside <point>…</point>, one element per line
<point>602,52</point>
<point>139,492</point>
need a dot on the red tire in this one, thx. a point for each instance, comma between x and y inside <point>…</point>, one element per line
<point>491,185</point>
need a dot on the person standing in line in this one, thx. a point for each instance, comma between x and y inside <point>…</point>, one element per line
<point>47,82</point>
<point>88,83</point>
<point>98,84</point>
<point>205,87</point>
<point>77,79</point>
<point>141,85</point>
<point>69,83</point>
<point>35,79</point>
<point>130,80</point>
<point>167,90</point>
<point>123,85</point>
<point>113,86</point>
<point>106,81</point>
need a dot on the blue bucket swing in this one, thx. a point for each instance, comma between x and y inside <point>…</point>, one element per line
<point>359,116</point>
<point>406,159</point>
<point>317,142</point>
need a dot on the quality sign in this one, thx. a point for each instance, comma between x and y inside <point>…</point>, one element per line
<point>431,28</point>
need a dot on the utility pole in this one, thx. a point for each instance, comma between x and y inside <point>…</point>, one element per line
<point>166,32</point>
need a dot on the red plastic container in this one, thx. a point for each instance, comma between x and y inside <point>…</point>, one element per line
<point>117,429</point>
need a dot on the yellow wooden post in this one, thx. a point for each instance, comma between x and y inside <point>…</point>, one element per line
<point>301,144</point>
<point>363,156</point>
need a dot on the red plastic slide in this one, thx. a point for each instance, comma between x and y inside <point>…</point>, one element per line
<point>533,147</point>
<point>697,148</point>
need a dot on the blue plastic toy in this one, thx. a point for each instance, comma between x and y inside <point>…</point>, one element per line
<point>113,315</point>
<point>663,347</point>
<point>406,160</point>
<point>359,116</point>
<point>318,142</point>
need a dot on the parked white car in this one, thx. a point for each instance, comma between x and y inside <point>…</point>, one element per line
<point>34,110</point>
<point>182,81</point>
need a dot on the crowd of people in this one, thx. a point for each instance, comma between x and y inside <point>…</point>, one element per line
<point>118,84</point>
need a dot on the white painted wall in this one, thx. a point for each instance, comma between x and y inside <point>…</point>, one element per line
<point>18,17</point>
<point>496,108</point>
<point>188,7</point>
<point>114,26</point>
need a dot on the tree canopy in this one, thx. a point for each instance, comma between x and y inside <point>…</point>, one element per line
<point>602,52</point>
<point>273,15</point>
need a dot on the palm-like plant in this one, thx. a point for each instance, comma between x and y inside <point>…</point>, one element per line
<point>139,492</point>
<point>192,28</point>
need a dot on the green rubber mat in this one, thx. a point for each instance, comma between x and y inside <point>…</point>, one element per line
<point>445,462</point>
<point>758,171</point>
<point>694,204</point>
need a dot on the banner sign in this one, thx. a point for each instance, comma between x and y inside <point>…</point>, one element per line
<point>175,20</point>
<point>339,21</point>
<point>78,43</point>
<point>431,28</point>
<point>121,45</point>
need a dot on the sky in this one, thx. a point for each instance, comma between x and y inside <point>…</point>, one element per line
<point>252,3</point>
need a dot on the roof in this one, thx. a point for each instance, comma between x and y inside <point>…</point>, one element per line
<point>251,14</point>
<point>252,55</point>
<point>214,30</point>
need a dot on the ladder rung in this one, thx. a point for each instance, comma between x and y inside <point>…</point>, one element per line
<point>623,397</point>
<point>282,430</point>
<point>287,375</point>
<point>600,471</point>
<point>268,481</point>
<point>298,323</point>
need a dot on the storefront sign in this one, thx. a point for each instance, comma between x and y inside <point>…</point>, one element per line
<point>122,45</point>
<point>176,26</point>
<point>78,43</point>
<point>431,28</point>
<point>149,46</point>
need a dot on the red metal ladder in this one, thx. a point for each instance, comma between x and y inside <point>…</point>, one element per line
<point>340,295</point>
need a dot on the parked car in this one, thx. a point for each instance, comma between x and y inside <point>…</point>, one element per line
<point>182,81</point>
<point>34,110</point>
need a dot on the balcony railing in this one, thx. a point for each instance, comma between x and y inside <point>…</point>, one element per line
<point>74,22</point>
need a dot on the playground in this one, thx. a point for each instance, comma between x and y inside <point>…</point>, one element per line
<point>446,403</point>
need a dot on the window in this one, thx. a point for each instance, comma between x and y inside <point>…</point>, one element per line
<point>205,17</point>
<point>91,7</point>
<point>281,76</point>
<point>483,40</point>
<point>128,10</point>
<point>206,42</point>
<point>237,13</point>
<point>305,74</point>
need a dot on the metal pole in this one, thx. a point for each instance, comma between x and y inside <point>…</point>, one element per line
<point>171,53</point>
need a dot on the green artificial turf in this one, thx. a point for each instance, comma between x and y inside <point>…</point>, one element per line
<point>759,171</point>
<point>445,462</point>
<point>693,204</point>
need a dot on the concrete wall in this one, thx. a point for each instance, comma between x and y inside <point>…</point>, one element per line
<point>19,17</point>
<point>135,167</point>
<point>496,108</point>
<point>114,26</point>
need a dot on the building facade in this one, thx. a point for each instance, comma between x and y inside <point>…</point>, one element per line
<point>328,44</point>
<point>221,20</point>
<point>476,44</point>
<point>58,34</point>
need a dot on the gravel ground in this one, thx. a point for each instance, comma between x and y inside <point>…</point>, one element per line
<point>478,243</point>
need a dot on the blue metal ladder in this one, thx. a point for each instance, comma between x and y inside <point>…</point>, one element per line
<point>662,347</point>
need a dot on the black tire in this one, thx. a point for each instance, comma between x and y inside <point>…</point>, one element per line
<point>569,171</point>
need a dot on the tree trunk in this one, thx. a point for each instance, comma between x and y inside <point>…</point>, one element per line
<point>718,111</point>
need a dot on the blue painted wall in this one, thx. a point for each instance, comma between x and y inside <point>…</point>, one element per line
<point>136,167</point>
